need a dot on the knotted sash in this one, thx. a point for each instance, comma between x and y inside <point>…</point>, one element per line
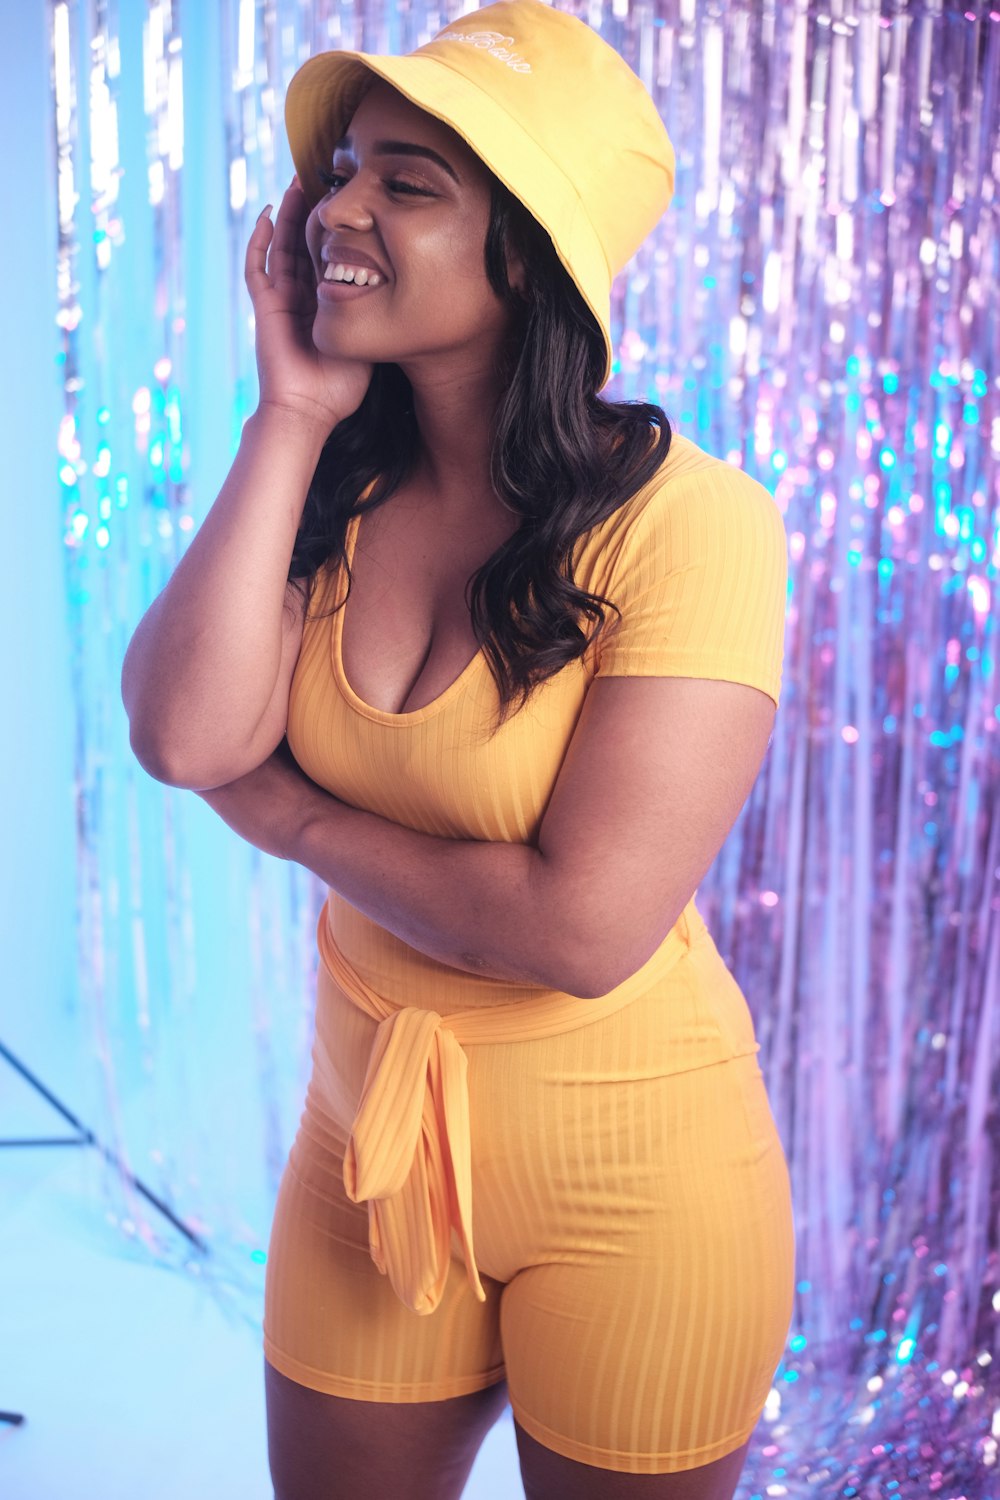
<point>409,1151</point>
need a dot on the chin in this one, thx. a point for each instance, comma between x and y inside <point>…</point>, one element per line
<point>346,346</point>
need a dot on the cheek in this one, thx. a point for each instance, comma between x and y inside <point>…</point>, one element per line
<point>450,245</point>
<point>454,266</point>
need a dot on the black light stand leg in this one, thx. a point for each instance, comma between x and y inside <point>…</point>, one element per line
<point>85,1137</point>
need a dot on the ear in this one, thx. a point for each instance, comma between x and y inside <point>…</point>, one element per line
<point>517,274</point>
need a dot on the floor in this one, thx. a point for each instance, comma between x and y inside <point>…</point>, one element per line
<point>96,1342</point>
<point>140,1375</point>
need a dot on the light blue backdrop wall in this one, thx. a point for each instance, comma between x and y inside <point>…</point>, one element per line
<point>39,1017</point>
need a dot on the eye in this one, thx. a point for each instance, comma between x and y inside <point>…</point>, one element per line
<point>408,187</point>
<point>336,180</point>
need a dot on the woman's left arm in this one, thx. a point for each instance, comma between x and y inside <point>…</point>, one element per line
<point>653,780</point>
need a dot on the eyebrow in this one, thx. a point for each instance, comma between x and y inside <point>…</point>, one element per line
<point>400,148</point>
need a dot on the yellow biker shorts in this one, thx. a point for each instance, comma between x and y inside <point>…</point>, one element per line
<point>587,1198</point>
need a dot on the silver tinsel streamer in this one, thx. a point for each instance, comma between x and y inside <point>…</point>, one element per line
<point>818,306</point>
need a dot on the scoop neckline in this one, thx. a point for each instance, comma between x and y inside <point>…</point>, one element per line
<point>368,710</point>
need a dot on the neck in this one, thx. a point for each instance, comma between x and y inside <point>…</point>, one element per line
<point>454,410</point>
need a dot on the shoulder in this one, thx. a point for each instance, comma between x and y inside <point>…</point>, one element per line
<point>691,479</point>
<point>694,501</point>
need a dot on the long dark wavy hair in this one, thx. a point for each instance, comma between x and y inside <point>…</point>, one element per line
<point>562,458</point>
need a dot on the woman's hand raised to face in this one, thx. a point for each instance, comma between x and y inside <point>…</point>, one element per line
<point>281,280</point>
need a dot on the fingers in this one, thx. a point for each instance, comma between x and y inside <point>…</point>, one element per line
<point>254,268</point>
<point>289,255</point>
<point>277,252</point>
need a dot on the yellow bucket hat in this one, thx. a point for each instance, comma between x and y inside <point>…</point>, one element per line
<point>554,112</point>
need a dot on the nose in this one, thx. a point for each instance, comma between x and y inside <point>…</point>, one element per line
<point>346,208</point>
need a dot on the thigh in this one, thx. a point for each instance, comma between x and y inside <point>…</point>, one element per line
<point>549,1476</point>
<point>645,1339</point>
<point>332,1321</point>
<point>364,1396</point>
<point>323,1447</point>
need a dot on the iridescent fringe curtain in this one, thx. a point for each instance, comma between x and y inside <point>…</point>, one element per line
<point>818,306</point>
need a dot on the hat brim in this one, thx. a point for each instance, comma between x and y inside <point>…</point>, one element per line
<point>327,89</point>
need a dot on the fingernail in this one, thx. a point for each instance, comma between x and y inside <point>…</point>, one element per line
<point>265,212</point>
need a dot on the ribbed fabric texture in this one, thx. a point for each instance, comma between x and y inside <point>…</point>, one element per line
<point>610,1167</point>
<point>632,1223</point>
<point>408,1154</point>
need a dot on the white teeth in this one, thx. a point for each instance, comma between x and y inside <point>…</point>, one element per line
<point>359,275</point>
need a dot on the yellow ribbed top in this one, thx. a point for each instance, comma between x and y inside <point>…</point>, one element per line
<point>696,562</point>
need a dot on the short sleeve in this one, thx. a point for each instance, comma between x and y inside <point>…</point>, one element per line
<point>701,581</point>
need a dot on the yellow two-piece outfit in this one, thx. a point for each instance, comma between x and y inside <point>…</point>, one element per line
<point>603,1178</point>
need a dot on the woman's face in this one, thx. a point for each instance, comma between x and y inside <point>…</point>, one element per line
<point>407,210</point>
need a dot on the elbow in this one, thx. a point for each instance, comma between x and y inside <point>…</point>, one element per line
<point>591,983</point>
<point>180,768</point>
<point>587,974</point>
<point>166,759</point>
<point>157,761</point>
<point>591,947</point>
<point>180,756</point>
<point>597,969</point>
<point>145,743</point>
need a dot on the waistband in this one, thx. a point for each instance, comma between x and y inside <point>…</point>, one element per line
<point>409,1150</point>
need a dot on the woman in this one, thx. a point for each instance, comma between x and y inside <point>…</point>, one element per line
<point>515,755</point>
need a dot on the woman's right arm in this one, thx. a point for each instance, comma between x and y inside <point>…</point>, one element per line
<point>207,673</point>
<point>206,670</point>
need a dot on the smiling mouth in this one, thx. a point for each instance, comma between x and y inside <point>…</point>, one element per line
<point>353,275</point>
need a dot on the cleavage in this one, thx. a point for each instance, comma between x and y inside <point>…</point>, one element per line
<point>407,634</point>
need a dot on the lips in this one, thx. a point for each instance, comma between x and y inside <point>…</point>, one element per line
<point>337,253</point>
